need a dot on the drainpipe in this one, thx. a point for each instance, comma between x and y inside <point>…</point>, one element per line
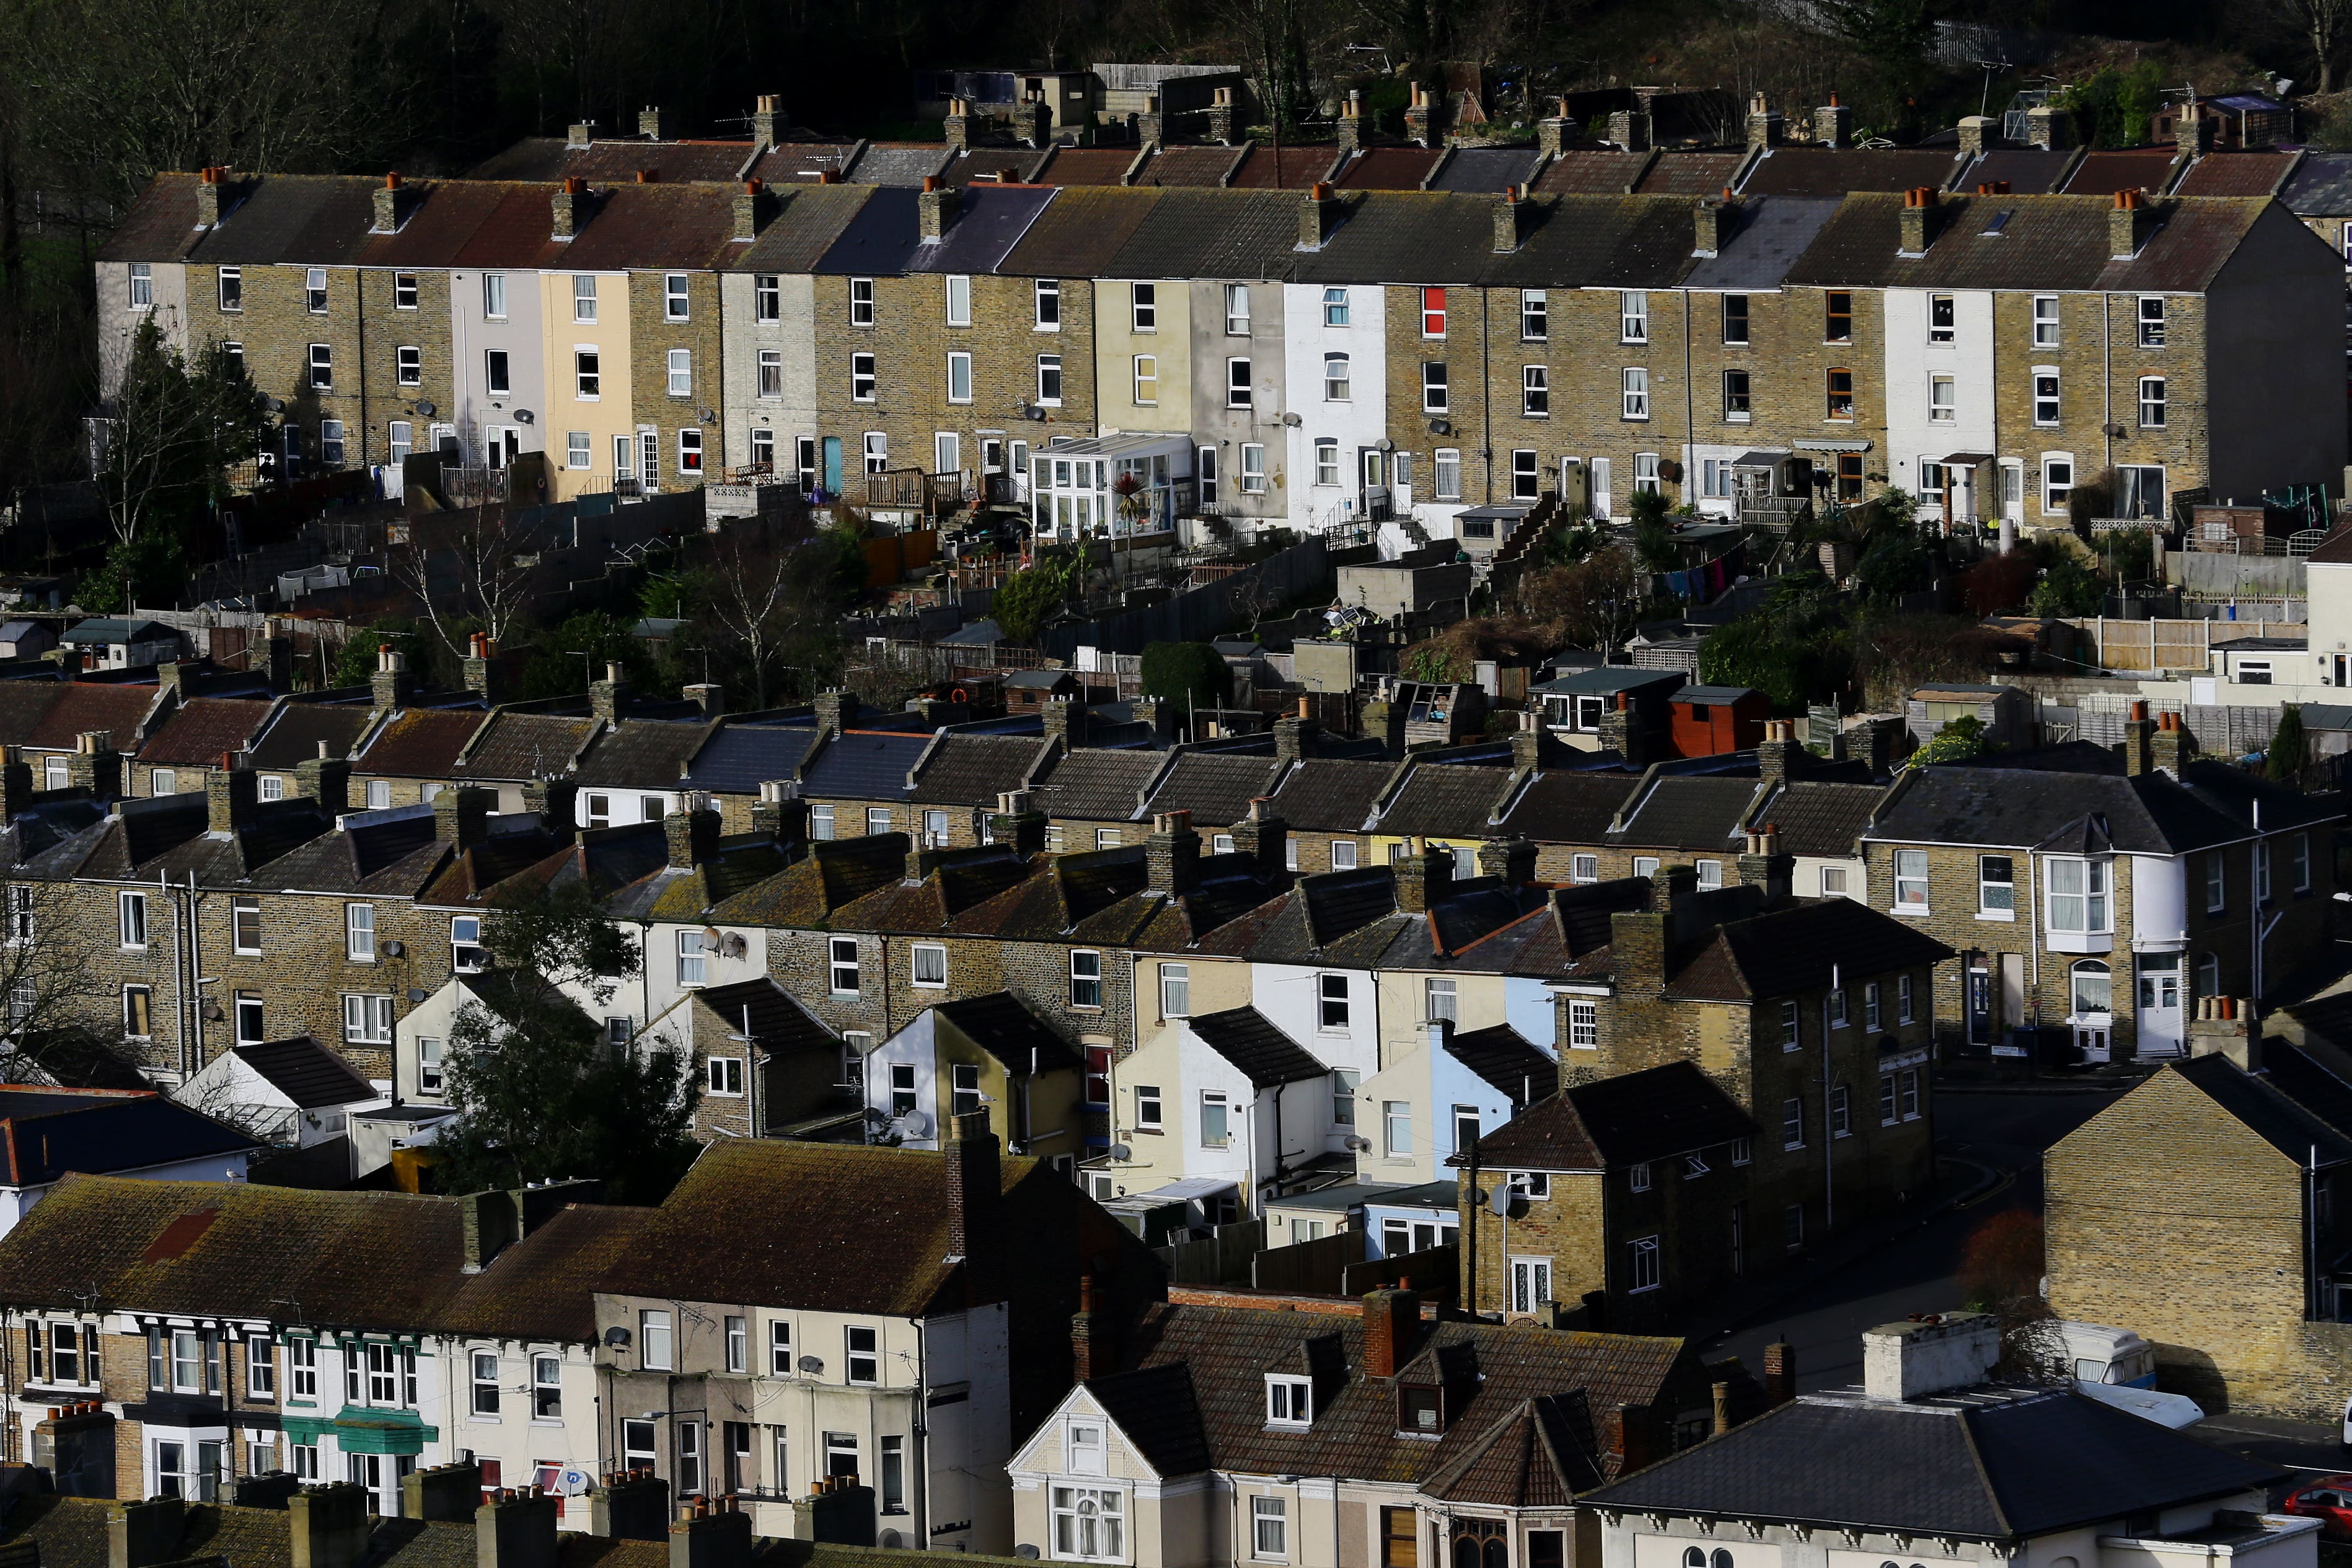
<point>2107,376</point>
<point>1828,1123</point>
<point>179,969</point>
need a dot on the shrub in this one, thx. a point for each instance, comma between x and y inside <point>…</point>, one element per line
<point>1172,672</point>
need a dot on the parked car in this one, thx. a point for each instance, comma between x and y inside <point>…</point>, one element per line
<point>2327,1499</point>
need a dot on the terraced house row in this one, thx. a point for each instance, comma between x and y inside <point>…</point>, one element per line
<point>1311,355</point>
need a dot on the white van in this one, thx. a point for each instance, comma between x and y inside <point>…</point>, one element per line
<point>2117,1357</point>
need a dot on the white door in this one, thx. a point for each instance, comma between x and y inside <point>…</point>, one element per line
<point>2159,1005</point>
<point>1601,489</point>
<point>649,458</point>
<point>1530,1283</point>
<point>624,460</point>
<point>2012,492</point>
<point>2093,1039</point>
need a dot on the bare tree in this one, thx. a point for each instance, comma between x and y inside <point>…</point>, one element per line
<point>469,571</point>
<point>760,594</point>
<point>2320,25</point>
<point>52,999</point>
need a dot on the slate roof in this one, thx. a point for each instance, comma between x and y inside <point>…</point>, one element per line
<point>778,1020</point>
<point>1611,1123</point>
<point>1819,818</point>
<point>1771,232</point>
<point>974,769</point>
<point>294,736</point>
<point>1080,235</point>
<point>1593,171</point>
<point>2321,185</point>
<point>1085,165</point>
<point>2104,171</point>
<point>641,753</point>
<point>863,764</point>
<point>806,893</point>
<point>306,1072</point>
<point>1087,785</point>
<point>513,747</point>
<point>990,221</point>
<point>1509,1061</point>
<point>1190,165</point>
<point>395,853</point>
<point>1698,814</point>
<point>807,222</point>
<point>1795,949</point>
<point>1223,1355</point>
<point>2047,242</point>
<point>1193,233</point>
<point>2025,808</point>
<point>1989,1466</point>
<point>420,742</point>
<point>1330,794</point>
<point>1001,1024</point>
<point>1833,171</point>
<point>1389,169</point>
<point>2030,171</point>
<point>46,1133</point>
<point>1256,1045</point>
<point>1447,800</point>
<point>1535,1457</point>
<point>1694,174</point>
<point>904,164</point>
<point>1290,170</point>
<point>1558,808</point>
<point>1215,788</point>
<point>204,728</point>
<point>1487,170</point>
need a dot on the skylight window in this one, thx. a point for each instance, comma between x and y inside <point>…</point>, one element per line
<point>2000,220</point>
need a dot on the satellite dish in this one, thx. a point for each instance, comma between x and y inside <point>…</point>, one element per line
<point>1025,1550</point>
<point>1357,1142</point>
<point>1504,1199</point>
<point>811,1364</point>
<point>616,1336</point>
<point>914,1124</point>
<point>1120,1151</point>
<point>890,1538</point>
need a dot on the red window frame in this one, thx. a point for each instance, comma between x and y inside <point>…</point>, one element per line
<point>1433,313</point>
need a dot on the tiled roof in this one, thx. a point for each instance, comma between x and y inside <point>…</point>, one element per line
<point>1690,173</point>
<point>613,158</point>
<point>2102,173</point>
<point>1225,1353</point>
<point>810,219</point>
<point>71,1532</point>
<point>808,892</point>
<point>990,221</point>
<point>1080,235</point>
<point>2001,1466</point>
<point>46,1133</point>
<point>512,747</point>
<point>1256,1045</point>
<point>974,769</point>
<point>1539,1456</point>
<point>306,1072</point>
<point>1290,169</point>
<point>1589,171</point>
<point>202,728</point>
<point>1767,235</point>
<point>420,743</point>
<point>1819,818</point>
<point>544,1287</point>
<point>1611,1123</point>
<point>2321,185</point>
<point>2023,809</point>
<point>1215,788</point>
<point>1330,794</point>
<point>2028,171</point>
<point>1486,170</point>
<point>1213,234</point>
<point>294,736</point>
<point>1092,785</point>
<point>1449,800</point>
<point>1189,166</point>
<point>641,753</point>
<point>901,165</point>
<point>2235,174</point>
<point>396,855</point>
<point>778,1021</point>
<point>1087,166</point>
<point>351,1259</point>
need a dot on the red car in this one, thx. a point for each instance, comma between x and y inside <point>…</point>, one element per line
<point>2327,1499</point>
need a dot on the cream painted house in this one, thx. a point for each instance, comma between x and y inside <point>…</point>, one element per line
<point>586,356</point>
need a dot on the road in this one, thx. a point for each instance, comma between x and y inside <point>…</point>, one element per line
<point>1917,1269</point>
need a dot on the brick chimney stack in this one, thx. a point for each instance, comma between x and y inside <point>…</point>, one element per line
<point>391,685</point>
<point>2050,127</point>
<point>1264,836</point>
<point>1921,215</point>
<point>1764,124</point>
<point>461,815</point>
<point>1318,216</point>
<point>1089,1347</point>
<point>654,124</point>
<point>768,120</point>
<point>1017,823</point>
<point>330,1525</point>
<point>514,1530</point>
<point>753,207</point>
<point>2139,737</point>
<point>209,182</point>
<point>232,794</point>
<point>2172,745</point>
<point>1630,129</point>
<point>2128,223</point>
<point>481,671</point>
<point>1392,1331</point>
<point>1351,129</point>
<point>1514,216</point>
<point>388,205</point>
<point>1780,1372</point>
<point>605,696</point>
<point>1294,732</point>
<point>570,207</point>
<point>958,126</point>
<point>1979,134</point>
<point>1220,116</point>
<point>1512,859</point>
<point>1554,132</point>
<point>1425,877</point>
<point>1171,855</point>
<point>1149,125</point>
<point>95,765</point>
<point>935,210</point>
<point>1833,124</point>
<point>1714,220</point>
<point>1420,118</point>
<point>325,779</point>
<point>835,711</point>
<point>691,832</point>
<point>1626,1435</point>
<point>1778,757</point>
<point>975,1222</point>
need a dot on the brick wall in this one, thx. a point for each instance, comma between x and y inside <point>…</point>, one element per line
<point>651,338</point>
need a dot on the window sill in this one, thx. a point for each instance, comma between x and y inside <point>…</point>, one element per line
<point>481,1420</point>
<point>1790,1148</point>
<point>2006,915</point>
<point>2079,942</point>
<point>1910,911</point>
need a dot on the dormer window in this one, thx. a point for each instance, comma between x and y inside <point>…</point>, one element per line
<point>1421,1411</point>
<point>1290,1402</point>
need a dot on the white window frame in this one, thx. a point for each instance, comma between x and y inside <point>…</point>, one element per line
<point>1049,380</point>
<point>1175,991</point>
<point>958,299</point>
<point>927,965</point>
<point>960,376</point>
<point>1633,386</point>
<point>680,366</point>
<point>1634,316</point>
<point>842,965</point>
<point>359,933</point>
<point>1583,1026</point>
<point>861,302</point>
<point>1046,301</point>
<point>1943,399</point>
<point>675,299</point>
<point>2045,320</point>
<point>2048,402</point>
<point>1910,881</point>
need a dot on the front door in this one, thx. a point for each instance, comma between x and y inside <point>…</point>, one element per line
<point>2159,1005</point>
<point>1961,502</point>
<point>1530,1283</point>
<point>2091,1039</point>
<point>831,465</point>
<point>2012,492</point>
